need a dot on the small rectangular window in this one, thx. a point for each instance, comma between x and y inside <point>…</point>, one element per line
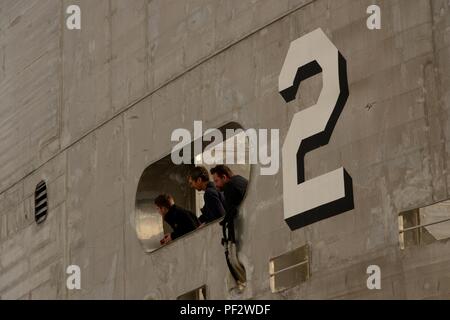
<point>425,225</point>
<point>197,294</point>
<point>289,269</point>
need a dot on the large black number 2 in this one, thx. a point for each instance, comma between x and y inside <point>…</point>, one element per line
<point>306,202</point>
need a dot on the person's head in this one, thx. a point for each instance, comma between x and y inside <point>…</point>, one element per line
<point>163,203</point>
<point>221,175</point>
<point>198,178</point>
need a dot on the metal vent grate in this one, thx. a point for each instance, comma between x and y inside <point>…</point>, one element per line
<point>40,202</point>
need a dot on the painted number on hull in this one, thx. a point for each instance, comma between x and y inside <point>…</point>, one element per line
<point>306,202</point>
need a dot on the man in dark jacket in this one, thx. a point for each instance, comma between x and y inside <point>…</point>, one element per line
<point>182,221</point>
<point>233,187</point>
<point>213,208</point>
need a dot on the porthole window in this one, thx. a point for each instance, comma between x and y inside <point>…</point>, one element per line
<point>165,177</point>
<point>40,202</point>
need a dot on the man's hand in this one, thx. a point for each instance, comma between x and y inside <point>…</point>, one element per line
<point>167,238</point>
<point>201,225</point>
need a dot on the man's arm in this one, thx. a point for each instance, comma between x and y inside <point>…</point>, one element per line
<point>232,202</point>
<point>186,222</point>
<point>175,234</point>
<point>213,208</point>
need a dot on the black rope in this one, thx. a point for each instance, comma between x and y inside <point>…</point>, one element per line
<point>230,237</point>
<point>230,267</point>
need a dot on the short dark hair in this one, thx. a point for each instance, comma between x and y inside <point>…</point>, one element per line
<point>164,200</point>
<point>222,170</point>
<point>199,172</point>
